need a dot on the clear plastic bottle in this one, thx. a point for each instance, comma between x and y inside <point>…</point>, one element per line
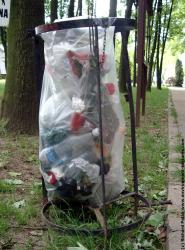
<point>71,148</point>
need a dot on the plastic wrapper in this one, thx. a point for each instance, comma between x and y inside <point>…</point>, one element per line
<point>69,120</point>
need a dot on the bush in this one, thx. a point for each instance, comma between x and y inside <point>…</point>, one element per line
<point>171,81</point>
<point>179,74</point>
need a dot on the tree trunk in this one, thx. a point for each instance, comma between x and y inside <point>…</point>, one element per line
<point>79,9</point>
<point>153,44</point>
<point>158,73</point>
<point>71,8</point>
<point>123,60</point>
<point>152,57</point>
<point>63,7</point>
<point>20,103</point>
<point>3,32</point>
<point>165,35</point>
<point>113,8</point>
<point>53,10</point>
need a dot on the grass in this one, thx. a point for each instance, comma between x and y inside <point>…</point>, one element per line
<point>174,113</point>
<point>18,216</point>
<point>152,154</point>
<point>179,148</point>
<point>5,187</point>
<point>28,147</point>
<point>4,216</point>
<point>18,161</point>
<point>152,144</point>
<point>179,174</point>
<point>2,83</point>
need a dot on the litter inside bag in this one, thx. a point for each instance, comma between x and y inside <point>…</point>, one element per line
<point>69,118</point>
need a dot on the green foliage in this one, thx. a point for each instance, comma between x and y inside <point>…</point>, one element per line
<point>170,81</point>
<point>63,6</point>
<point>177,32</point>
<point>62,9</point>
<point>47,8</point>
<point>156,220</point>
<point>179,74</point>
<point>117,53</point>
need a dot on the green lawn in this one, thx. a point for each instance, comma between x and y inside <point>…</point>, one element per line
<point>19,161</point>
<point>152,154</point>
<point>2,84</point>
<point>152,144</point>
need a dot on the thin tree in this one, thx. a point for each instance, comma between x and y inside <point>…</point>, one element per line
<point>63,8</point>
<point>53,10</point>
<point>71,8</point>
<point>20,102</point>
<point>158,75</point>
<point>152,44</point>
<point>113,8</point>
<point>124,60</point>
<point>79,8</point>
<point>163,30</point>
<point>179,74</point>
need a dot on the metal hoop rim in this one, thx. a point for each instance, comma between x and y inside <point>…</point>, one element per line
<point>119,23</point>
<point>96,232</point>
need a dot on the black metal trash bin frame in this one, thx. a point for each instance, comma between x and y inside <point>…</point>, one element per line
<point>121,24</point>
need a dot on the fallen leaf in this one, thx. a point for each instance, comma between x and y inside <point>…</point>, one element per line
<point>19,204</point>
<point>14,174</point>
<point>80,247</point>
<point>156,220</point>
<point>36,183</point>
<point>162,235</point>
<point>3,164</point>
<point>36,233</point>
<point>147,178</point>
<point>13,182</point>
<point>155,197</point>
<point>150,229</point>
<point>163,192</point>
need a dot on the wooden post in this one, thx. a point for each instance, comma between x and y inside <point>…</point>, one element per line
<point>144,85</point>
<point>144,6</point>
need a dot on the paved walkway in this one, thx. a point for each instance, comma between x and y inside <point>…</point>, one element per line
<point>178,97</point>
<point>176,126</point>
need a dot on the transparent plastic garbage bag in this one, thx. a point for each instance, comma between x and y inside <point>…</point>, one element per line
<point>69,120</point>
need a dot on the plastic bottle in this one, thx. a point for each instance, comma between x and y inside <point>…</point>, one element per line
<point>72,147</point>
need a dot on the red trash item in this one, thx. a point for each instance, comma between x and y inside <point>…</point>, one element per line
<point>52,179</point>
<point>77,61</point>
<point>111,88</point>
<point>77,121</point>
